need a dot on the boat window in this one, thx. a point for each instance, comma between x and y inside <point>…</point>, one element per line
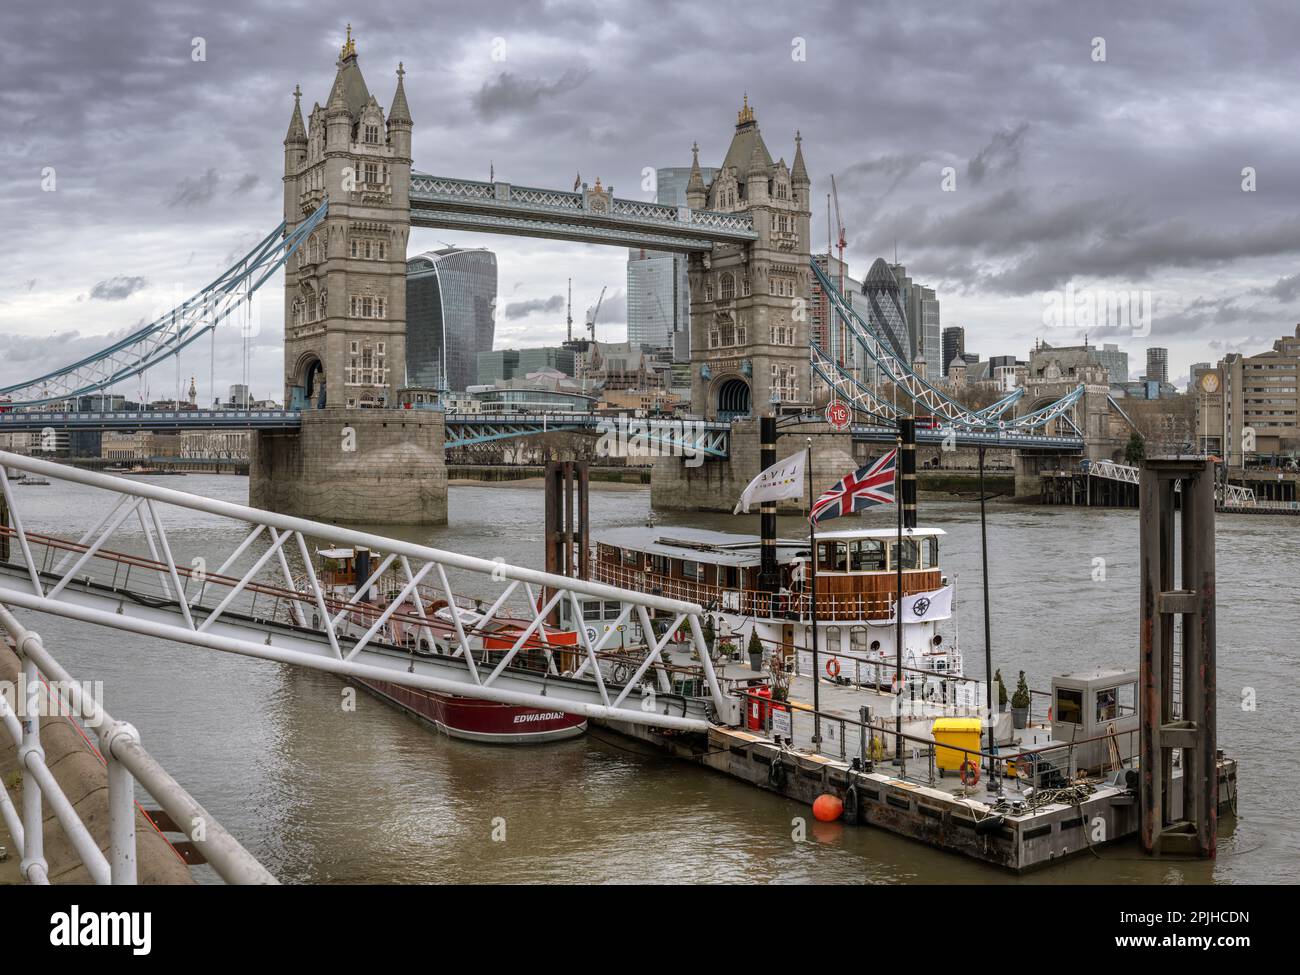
<point>730,577</point>
<point>832,557</point>
<point>932,552</point>
<point>659,564</point>
<point>911,554</point>
<point>691,569</point>
<point>1069,706</point>
<point>868,555</point>
<point>832,639</point>
<point>631,557</point>
<point>858,639</point>
<point>1115,702</point>
<point>612,610</point>
<point>591,611</point>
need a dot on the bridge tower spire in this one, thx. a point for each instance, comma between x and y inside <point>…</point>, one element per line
<point>345,294</point>
<point>749,302</point>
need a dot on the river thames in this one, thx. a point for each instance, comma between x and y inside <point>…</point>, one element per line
<point>322,794</point>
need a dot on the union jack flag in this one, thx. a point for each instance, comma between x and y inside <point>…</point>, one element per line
<point>864,488</point>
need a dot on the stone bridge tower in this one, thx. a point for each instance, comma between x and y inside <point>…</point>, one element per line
<point>749,302</point>
<point>345,289</point>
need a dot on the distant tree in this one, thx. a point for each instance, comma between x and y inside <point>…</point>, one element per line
<point>1135,450</point>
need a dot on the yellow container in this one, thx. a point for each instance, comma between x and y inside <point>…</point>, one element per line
<point>957,733</point>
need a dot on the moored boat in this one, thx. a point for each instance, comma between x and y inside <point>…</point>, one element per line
<point>857,572</point>
<point>429,629</point>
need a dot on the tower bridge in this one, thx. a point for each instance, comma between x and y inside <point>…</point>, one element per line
<point>351,197</point>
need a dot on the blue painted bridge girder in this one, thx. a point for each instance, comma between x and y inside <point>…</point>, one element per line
<point>712,438</point>
<point>129,421</point>
<point>1009,439</point>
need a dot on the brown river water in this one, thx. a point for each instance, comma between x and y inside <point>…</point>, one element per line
<point>324,795</point>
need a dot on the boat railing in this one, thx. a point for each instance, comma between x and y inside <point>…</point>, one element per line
<point>831,607</point>
<point>1050,769</point>
<point>880,670</point>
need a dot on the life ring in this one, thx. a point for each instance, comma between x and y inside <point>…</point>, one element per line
<point>893,685</point>
<point>970,773</point>
<point>833,667</point>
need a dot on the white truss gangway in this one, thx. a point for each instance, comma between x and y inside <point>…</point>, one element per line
<point>253,590</point>
<point>1229,495</point>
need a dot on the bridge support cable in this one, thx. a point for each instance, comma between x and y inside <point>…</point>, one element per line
<point>257,603</point>
<point>171,332</point>
<point>925,397</point>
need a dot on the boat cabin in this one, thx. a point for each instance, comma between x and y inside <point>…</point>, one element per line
<point>856,569</point>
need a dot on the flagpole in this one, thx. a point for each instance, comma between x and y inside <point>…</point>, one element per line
<point>812,614</point>
<point>995,781</point>
<point>898,605</point>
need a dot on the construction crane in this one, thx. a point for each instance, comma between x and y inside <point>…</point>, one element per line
<point>591,322</point>
<point>841,243</point>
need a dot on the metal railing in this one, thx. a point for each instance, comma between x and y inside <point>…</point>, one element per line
<point>831,607</point>
<point>875,741</point>
<point>127,764</point>
<point>237,606</point>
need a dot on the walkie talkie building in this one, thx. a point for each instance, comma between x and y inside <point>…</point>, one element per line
<point>450,298</point>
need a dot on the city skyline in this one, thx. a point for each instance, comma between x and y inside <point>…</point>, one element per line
<point>1058,183</point>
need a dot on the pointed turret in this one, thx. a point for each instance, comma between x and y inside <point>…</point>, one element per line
<point>399,112</point>
<point>747,147</point>
<point>349,92</point>
<point>696,193</point>
<point>297,133</point>
<point>799,172</point>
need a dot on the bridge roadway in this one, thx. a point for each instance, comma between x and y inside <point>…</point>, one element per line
<point>709,437</point>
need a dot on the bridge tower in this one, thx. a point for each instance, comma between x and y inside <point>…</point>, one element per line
<point>749,302</point>
<point>345,291</point>
<point>355,456</point>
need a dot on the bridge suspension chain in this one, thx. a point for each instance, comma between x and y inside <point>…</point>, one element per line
<point>920,392</point>
<point>171,332</point>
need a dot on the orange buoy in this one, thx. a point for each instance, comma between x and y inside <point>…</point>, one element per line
<point>827,808</point>
<point>833,667</point>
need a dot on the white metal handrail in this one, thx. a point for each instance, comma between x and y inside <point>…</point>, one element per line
<point>127,763</point>
<point>72,581</point>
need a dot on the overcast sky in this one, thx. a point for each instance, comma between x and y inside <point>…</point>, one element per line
<point>1122,173</point>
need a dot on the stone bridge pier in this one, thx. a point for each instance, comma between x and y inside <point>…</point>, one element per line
<point>375,467</point>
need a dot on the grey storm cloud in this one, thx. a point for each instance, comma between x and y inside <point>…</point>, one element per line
<point>1124,171</point>
<point>507,93</point>
<point>118,288</point>
<point>522,309</point>
<point>1286,288</point>
<point>195,190</point>
<point>1001,155</point>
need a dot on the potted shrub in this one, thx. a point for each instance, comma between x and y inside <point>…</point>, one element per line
<point>1002,692</point>
<point>755,650</point>
<point>1020,703</point>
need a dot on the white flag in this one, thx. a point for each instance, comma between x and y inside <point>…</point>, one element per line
<point>784,479</point>
<point>922,606</point>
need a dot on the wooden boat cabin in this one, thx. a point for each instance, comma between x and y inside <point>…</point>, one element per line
<point>856,569</point>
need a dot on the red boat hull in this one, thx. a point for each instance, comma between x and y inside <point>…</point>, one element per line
<point>482,721</point>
